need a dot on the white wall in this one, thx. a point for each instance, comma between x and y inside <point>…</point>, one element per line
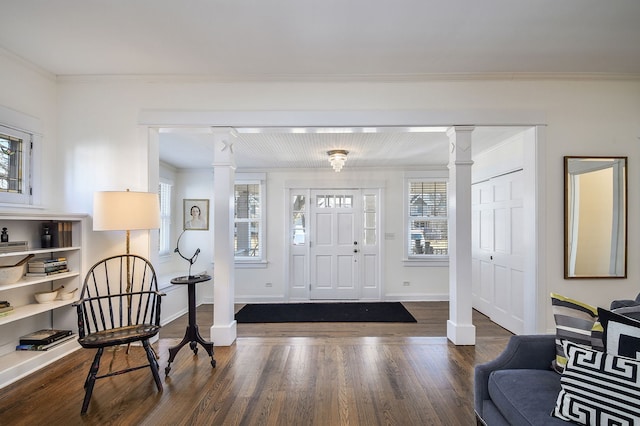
<point>98,143</point>
<point>33,92</point>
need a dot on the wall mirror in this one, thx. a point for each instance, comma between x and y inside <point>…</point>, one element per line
<point>595,226</point>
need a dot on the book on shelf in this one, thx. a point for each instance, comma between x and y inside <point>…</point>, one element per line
<point>6,308</point>
<point>47,261</point>
<point>6,311</point>
<point>13,246</point>
<point>47,346</point>
<point>61,233</point>
<point>44,337</point>
<point>48,268</point>
<point>48,273</point>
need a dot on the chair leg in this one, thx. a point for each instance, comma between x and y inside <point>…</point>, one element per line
<point>153,364</point>
<point>91,380</point>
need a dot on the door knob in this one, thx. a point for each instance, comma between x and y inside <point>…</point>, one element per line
<point>355,250</point>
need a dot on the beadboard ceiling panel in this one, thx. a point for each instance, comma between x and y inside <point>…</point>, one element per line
<point>282,150</point>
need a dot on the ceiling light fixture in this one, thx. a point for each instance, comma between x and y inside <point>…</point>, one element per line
<point>337,158</point>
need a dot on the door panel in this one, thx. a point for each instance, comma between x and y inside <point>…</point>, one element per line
<point>498,250</point>
<point>334,253</point>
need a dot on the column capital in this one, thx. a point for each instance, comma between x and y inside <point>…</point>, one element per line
<point>223,139</point>
<point>460,145</point>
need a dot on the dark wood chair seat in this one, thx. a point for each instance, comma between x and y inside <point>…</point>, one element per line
<point>119,336</point>
<point>119,304</point>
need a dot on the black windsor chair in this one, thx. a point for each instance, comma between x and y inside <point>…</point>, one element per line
<point>119,304</point>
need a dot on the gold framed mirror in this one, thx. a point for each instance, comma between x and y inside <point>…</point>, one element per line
<point>595,213</point>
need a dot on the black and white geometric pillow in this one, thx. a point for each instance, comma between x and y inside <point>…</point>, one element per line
<point>621,334</point>
<point>598,388</point>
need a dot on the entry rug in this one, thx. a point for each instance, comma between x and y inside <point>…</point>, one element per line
<point>324,312</point>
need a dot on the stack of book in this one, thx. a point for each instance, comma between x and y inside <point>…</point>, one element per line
<point>5,308</point>
<point>44,340</point>
<point>44,267</point>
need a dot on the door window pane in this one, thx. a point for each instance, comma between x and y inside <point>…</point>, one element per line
<point>298,224</point>
<point>369,219</point>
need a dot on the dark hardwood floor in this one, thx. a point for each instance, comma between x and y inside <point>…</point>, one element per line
<point>275,374</point>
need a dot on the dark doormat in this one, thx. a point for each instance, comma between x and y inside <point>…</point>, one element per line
<point>324,312</point>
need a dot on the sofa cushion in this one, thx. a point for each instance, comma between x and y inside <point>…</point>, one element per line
<point>575,322</point>
<point>629,311</point>
<point>598,388</point>
<point>525,396</point>
<point>621,334</point>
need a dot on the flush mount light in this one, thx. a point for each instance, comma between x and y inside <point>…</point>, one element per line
<point>337,158</point>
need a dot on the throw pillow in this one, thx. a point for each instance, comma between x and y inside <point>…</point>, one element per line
<point>621,335</point>
<point>629,311</point>
<point>598,388</point>
<point>574,322</point>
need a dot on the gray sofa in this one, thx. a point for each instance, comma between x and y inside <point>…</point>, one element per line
<point>518,387</point>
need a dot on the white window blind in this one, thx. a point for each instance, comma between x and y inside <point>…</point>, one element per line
<point>428,218</point>
<point>248,221</point>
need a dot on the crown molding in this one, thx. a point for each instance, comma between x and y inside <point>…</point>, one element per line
<point>27,64</point>
<point>349,78</point>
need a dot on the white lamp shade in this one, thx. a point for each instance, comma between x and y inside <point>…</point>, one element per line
<point>125,211</point>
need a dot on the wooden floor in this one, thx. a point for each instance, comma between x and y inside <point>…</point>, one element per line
<point>275,374</point>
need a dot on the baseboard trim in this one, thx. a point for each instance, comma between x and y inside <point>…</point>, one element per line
<point>397,297</point>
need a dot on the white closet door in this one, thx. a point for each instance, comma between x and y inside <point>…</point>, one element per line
<point>498,250</point>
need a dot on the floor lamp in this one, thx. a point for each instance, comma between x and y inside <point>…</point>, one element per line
<point>126,211</point>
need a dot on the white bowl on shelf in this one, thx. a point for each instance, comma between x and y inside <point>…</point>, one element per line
<point>68,295</point>
<point>11,274</point>
<point>46,296</point>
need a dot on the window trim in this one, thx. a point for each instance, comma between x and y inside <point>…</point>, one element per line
<point>260,180</point>
<point>25,196</point>
<point>169,217</point>
<point>424,259</point>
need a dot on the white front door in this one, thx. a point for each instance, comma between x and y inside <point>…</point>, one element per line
<point>335,244</point>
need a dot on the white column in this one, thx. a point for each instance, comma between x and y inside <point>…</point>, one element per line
<point>460,328</point>
<point>223,330</point>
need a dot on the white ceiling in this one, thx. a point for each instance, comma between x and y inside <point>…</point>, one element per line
<point>323,40</point>
<point>243,39</point>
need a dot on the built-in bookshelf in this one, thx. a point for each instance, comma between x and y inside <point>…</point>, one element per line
<point>28,315</point>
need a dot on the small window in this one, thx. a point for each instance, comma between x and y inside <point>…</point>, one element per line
<point>15,160</point>
<point>248,220</point>
<point>370,226</point>
<point>427,218</point>
<point>164,240</point>
<point>298,222</point>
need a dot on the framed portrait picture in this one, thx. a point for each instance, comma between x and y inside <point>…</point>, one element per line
<point>196,214</point>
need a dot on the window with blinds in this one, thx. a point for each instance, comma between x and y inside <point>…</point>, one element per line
<point>428,218</point>
<point>248,221</point>
<point>164,240</point>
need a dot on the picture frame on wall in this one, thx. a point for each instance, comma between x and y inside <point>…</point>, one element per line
<point>195,214</point>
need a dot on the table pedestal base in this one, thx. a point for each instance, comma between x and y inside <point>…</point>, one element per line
<point>191,335</point>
